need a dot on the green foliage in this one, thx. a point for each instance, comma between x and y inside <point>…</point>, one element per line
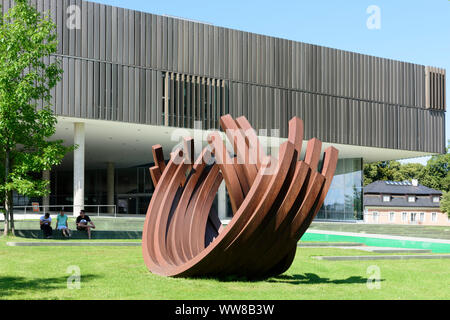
<point>434,175</point>
<point>408,172</point>
<point>355,201</point>
<point>445,203</point>
<point>383,171</point>
<point>27,75</point>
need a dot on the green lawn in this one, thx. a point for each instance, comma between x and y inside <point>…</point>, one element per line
<point>119,273</point>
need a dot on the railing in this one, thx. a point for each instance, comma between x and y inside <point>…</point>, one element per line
<point>44,209</point>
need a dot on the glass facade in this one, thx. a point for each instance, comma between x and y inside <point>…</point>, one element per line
<point>344,199</point>
<point>133,189</point>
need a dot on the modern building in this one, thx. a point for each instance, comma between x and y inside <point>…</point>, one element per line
<point>391,202</point>
<point>133,79</point>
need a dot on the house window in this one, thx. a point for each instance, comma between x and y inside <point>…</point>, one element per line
<point>422,217</point>
<point>375,216</point>
<point>386,198</point>
<point>411,199</point>
<point>404,216</point>
<point>436,199</point>
<point>392,216</point>
<point>413,217</point>
<point>434,217</point>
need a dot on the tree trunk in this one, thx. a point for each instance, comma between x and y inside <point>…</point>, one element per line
<point>6,227</point>
<point>11,214</point>
<point>5,213</point>
<point>9,205</point>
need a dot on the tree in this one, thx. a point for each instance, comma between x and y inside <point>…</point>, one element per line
<point>26,38</point>
<point>355,201</point>
<point>445,203</point>
<point>383,171</point>
<point>408,171</point>
<point>436,173</point>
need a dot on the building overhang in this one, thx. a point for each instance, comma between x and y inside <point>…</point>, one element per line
<point>130,144</point>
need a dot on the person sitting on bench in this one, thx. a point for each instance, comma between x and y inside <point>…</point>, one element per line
<point>83,222</point>
<point>61,224</point>
<point>46,225</point>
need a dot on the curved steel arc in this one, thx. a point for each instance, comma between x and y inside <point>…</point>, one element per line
<point>274,202</point>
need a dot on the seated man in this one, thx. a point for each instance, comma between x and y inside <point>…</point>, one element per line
<point>46,225</point>
<point>83,222</point>
<point>61,224</point>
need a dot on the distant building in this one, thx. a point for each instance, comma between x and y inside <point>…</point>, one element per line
<point>390,202</point>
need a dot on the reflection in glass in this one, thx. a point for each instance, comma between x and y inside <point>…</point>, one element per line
<point>344,200</point>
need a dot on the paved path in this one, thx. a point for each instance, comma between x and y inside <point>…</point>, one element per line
<point>329,244</point>
<point>73,244</point>
<point>372,249</point>
<point>390,257</point>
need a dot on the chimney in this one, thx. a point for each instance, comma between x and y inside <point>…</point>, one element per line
<point>415,182</point>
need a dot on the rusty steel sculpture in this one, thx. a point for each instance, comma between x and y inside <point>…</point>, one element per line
<point>274,200</point>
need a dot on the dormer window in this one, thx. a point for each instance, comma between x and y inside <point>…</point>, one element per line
<point>386,198</point>
<point>436,199</point>
<point>411,199</point>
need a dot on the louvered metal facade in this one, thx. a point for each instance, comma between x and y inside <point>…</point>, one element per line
<point>124,65</point>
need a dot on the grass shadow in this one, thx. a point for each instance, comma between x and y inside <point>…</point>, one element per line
<point>21,285</point>
<point>312,278</point>
<point>307,278</point>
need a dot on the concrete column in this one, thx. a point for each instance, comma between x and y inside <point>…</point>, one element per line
<point>46,199</point>
<point>78,168</point>
<point>110,186</point>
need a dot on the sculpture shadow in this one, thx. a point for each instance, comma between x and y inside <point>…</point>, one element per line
<point>21,285</point>
<point>296,279</point>
<point>312,278</point>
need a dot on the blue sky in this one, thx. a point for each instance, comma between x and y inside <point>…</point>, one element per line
<point>413,31</point>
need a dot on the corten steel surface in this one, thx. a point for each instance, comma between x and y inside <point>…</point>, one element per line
<point>274,200</point>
